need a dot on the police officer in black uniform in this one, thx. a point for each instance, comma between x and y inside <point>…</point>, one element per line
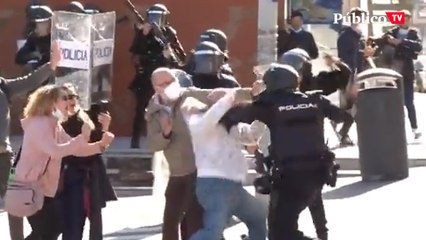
<point>301,160</point>
<point>149,53</point>
<point>207,73</point>
<point>221,40</point>
<point>326,81</point>
<point>36,50</point>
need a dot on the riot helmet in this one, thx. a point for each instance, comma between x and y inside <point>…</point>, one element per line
<point>295,57</point>
<point>208,58</point>
<point>157,14</point>
<point>184,78</point>
<point>281,77</point>
<point>76,7</point>
<point>40,13</point>
<point>215,36</point>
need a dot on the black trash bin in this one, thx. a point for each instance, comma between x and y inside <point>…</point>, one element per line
<point>381,125</point>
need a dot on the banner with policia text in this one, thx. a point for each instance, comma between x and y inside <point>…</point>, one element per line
<point>75,55</point>
<point>87,47</point>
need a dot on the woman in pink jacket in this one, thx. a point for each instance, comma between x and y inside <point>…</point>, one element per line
<point>45,143</point>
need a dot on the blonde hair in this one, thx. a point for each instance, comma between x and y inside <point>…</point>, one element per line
<point>41,102</point>
<point>70,89</point>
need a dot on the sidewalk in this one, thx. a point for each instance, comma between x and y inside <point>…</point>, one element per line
<point>355,210</point>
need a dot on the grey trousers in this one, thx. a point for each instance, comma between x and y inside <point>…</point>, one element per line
<point>16,225</point>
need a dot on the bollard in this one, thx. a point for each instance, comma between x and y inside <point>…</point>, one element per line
<point>380,124</point>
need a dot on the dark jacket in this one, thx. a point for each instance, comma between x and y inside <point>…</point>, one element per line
<point>407,51</point>
<point>295,121</point>
<point>328,81</point>
<point>88,170</point>
<point>149,51</point>
<point>302,39</point>
<point>349,47</point>
<point>35,49</point>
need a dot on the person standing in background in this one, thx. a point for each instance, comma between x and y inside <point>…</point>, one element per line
<point>296,37</point>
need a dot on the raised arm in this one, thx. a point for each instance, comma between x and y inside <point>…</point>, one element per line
<point>49,144</point>
<point>241,94</point>
<point>212,116</point>
<point>30,82</point>
<point>85,149</point>
<point>333,112</point>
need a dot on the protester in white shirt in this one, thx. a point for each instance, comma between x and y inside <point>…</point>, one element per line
<point>222,168</point>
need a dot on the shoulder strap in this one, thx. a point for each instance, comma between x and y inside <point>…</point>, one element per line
<point>17,157</point>
<point>4,89</point>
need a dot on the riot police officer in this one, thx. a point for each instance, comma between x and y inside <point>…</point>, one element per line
<point>326,81</point>
<point>207,74</point>
<point>149,52</point>
<point>221,40</point>
<point>301,160</point>
<point>36,50</point>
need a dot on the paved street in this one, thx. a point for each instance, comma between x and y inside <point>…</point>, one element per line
<point>356,210</point>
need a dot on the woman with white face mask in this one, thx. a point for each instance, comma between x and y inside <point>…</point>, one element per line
<point>44,145</point>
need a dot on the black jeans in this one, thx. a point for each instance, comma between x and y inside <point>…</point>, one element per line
<point>318,215</point>
<point>46,223</point>
<point>409,102</point>
<point>74,214</point>
<point>292,192</point>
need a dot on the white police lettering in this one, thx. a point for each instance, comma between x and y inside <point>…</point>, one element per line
<point>364,18</point>
<point>297,107</point>
<point>74,54</point>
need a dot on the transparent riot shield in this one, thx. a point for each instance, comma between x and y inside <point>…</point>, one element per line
<point>103,32</point>
<point>73,33</point>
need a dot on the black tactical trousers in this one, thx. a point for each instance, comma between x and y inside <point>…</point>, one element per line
<point>292,192</point>
<point>318,216</point>
<point>139,123</point>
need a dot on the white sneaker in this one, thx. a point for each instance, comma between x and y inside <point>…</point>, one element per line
<point>417,134</point>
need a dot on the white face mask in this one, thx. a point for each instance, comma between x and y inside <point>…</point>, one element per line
<point>173,91</point>
<point>59,115</point>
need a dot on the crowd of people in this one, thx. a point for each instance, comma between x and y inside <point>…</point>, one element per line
<point>192,109</point>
